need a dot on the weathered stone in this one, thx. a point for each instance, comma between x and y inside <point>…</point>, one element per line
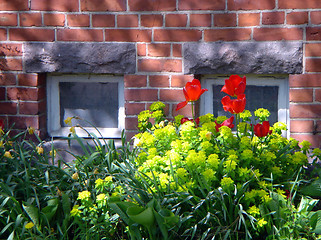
<point>242,58</point>
<point>80,57</point>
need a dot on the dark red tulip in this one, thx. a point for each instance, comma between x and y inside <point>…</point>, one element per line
<point>262,130</point>
<point>227,122</point>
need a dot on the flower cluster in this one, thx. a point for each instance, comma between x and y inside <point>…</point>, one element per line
<point>204,155</point>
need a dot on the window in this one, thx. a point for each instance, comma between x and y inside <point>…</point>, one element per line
<point>270,92</point>
<point>97,99</point>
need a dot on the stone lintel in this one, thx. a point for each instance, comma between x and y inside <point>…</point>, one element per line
<point>243,57</point>
<point>113,58</point>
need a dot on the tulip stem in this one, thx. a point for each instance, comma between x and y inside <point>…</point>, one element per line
<point>192,104</point>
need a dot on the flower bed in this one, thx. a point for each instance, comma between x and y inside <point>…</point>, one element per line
<point>198,178</point>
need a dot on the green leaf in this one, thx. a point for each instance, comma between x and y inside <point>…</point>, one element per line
<point>33,213</point>
<point>140,215</point>
<point>313,190</point>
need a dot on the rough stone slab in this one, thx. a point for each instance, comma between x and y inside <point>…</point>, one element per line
<point>80,57</point>
<point>242,58</point>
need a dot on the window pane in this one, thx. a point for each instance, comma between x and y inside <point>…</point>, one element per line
<point>96,102</point>
<point>256,97</point>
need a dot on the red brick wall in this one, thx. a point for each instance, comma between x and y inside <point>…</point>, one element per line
<point>159,28</point>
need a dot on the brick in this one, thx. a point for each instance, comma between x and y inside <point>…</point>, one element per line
<point>8,108</point>
<point>315,140</point>
<point>151,20</point>
<point>315,17</point>
<point>317,127</point>
<point>86,35</point>
<point>159,50</point>
<point>32,34</point>
<point>250,5</point>
<point>134,108</point>
<point>305,110</point>
<point>277,34</point>
<point>103,5</point>
<point>297,18</point>
<point>272,18</point>
<point>313,33</point>
<point>175,20</point>
<point>30,80</point>
<point>10,49</point>
<point>8,79</point>
<point>225,20</point>
<point>313,65</point>
<point>318,95</point>
<point>152,5</point>
<point>249,19</point>
<point>301,95</point>
<point>305,80</point>
<point>23,122</point>
<point>200,20</point>
<point>25,94</point>
<point>177,50</point>
<point>78,20</point>
<point>231,34</point>
<point>8,19</point>
<point>181,80</point>
<point>299,4</point>
<point>141,49</point>
<point>128,20</point>
<point>185,111</point>
<point>57,5</point>
<point>301,126</point>
<point>141,95</point>
<point>3,34</point>
<point>160,81</point>
<point>177,35</point>
<point>131,123</point>
<point>135,81</point>
<point>159,65</point>
<point>54,19</point>
<point>172,95</point>
<point>201,5</point>
<point>14,5</point>
<point>128,35</point>
<point>10,64</point>
<point>30,19</point>
<point>313,49</point>
<point>103,20</point>
<point>32,108</point>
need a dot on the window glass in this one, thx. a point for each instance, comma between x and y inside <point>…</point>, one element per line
<point>256,97</point>
<point>97,103</point>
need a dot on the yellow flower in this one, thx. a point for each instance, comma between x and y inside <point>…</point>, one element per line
<point>75,176</point>
<point>39,150</point>
<point>31,130</point>
<point>261,222</point>
<point>68,120</point>
<point>72,130</point>
<point>254,210</point>
<point>52,153</point>
<point>109,179</point>
<point>99,183</point>
<point>96,171</point>
<point>75,211</point>
<point>84,195</point>
<point>7,154</point>
<point>29,225</point>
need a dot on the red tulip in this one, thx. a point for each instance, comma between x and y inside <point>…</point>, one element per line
<point>185,119</point>
<point>1,125</point>
<point>234,106</point>
<point>227,122</point>
<point>192,92</point>
<point>262,130</point>
<point>234,86</point>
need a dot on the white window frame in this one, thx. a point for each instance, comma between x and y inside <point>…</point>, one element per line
<point>206,105</point>
<point>53,107</point>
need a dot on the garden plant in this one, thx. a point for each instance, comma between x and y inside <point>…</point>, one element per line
<point>202,177</point>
